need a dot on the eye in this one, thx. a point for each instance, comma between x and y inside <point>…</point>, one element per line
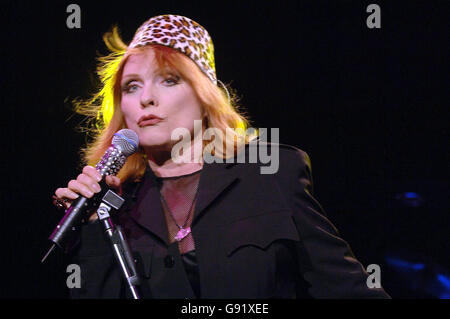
<point>171,80</point>
<point>129,87</point>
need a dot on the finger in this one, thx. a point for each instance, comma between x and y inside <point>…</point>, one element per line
<point>113,181</point>
<point>89,182</point>
<point>92,172</point>
<point>93,217</point>
<point>65,197</point>
<point>80,188</point>
<point>65,193</point>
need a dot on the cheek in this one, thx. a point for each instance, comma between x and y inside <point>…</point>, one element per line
<point>184,118</point>
<point>189,109</point>
<point>128,112</point>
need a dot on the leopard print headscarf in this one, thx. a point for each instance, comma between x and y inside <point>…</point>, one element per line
<point>182,34</point>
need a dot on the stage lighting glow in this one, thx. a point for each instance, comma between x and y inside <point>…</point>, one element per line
<point>400,263</point>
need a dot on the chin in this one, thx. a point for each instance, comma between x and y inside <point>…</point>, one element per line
<point>153,141</point>
<point>151,135</point>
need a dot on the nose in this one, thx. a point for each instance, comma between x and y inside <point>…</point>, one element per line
<point>148,98</point>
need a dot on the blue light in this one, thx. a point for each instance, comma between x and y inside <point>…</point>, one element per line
<point>404,264</point>
<point>411,199</point>
<point>444,280</point>
<point>411,195</point>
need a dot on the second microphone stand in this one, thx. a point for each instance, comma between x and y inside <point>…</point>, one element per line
<point>119,244</point>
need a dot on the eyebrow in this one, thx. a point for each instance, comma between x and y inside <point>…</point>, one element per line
<point>130,75</point>
<point>155,72</point>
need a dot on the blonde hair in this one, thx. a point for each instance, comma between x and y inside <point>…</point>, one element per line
<point>104,115</point>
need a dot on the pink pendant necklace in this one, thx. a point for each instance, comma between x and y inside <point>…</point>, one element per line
<point>183,230</point>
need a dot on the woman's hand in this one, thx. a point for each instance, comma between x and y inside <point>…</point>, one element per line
<point>86,184</point>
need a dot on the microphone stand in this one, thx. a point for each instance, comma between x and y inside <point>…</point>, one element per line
<point>124,143</point>
<point>119,244</point>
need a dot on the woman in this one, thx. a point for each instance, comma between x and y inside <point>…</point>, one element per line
<point>201,229</point>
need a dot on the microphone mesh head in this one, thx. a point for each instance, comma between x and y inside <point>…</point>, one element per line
<point>127,141</point>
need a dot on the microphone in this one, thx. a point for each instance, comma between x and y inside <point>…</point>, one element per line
<point>124,143</point>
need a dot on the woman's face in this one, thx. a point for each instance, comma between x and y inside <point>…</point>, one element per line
<point>147,91</point>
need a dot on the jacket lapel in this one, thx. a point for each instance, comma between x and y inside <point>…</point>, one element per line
<point>148,210</point>
<point>214,179</point>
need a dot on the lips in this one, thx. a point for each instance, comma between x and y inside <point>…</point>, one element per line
<point>148,120</point>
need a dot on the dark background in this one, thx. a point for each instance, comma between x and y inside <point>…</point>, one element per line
<point>367,105</point>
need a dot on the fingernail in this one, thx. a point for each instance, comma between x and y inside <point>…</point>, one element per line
<point>99,178</point>
<point>96,187</point>
<point>90,193</point>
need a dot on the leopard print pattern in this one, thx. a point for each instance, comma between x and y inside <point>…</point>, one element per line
<point>182,34</point>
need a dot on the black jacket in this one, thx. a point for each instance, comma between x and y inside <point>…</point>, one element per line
<point>256,236</point>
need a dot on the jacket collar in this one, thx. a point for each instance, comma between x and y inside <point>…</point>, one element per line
<point>215,178</point>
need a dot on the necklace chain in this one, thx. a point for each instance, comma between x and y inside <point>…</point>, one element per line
<point>183,232</point>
